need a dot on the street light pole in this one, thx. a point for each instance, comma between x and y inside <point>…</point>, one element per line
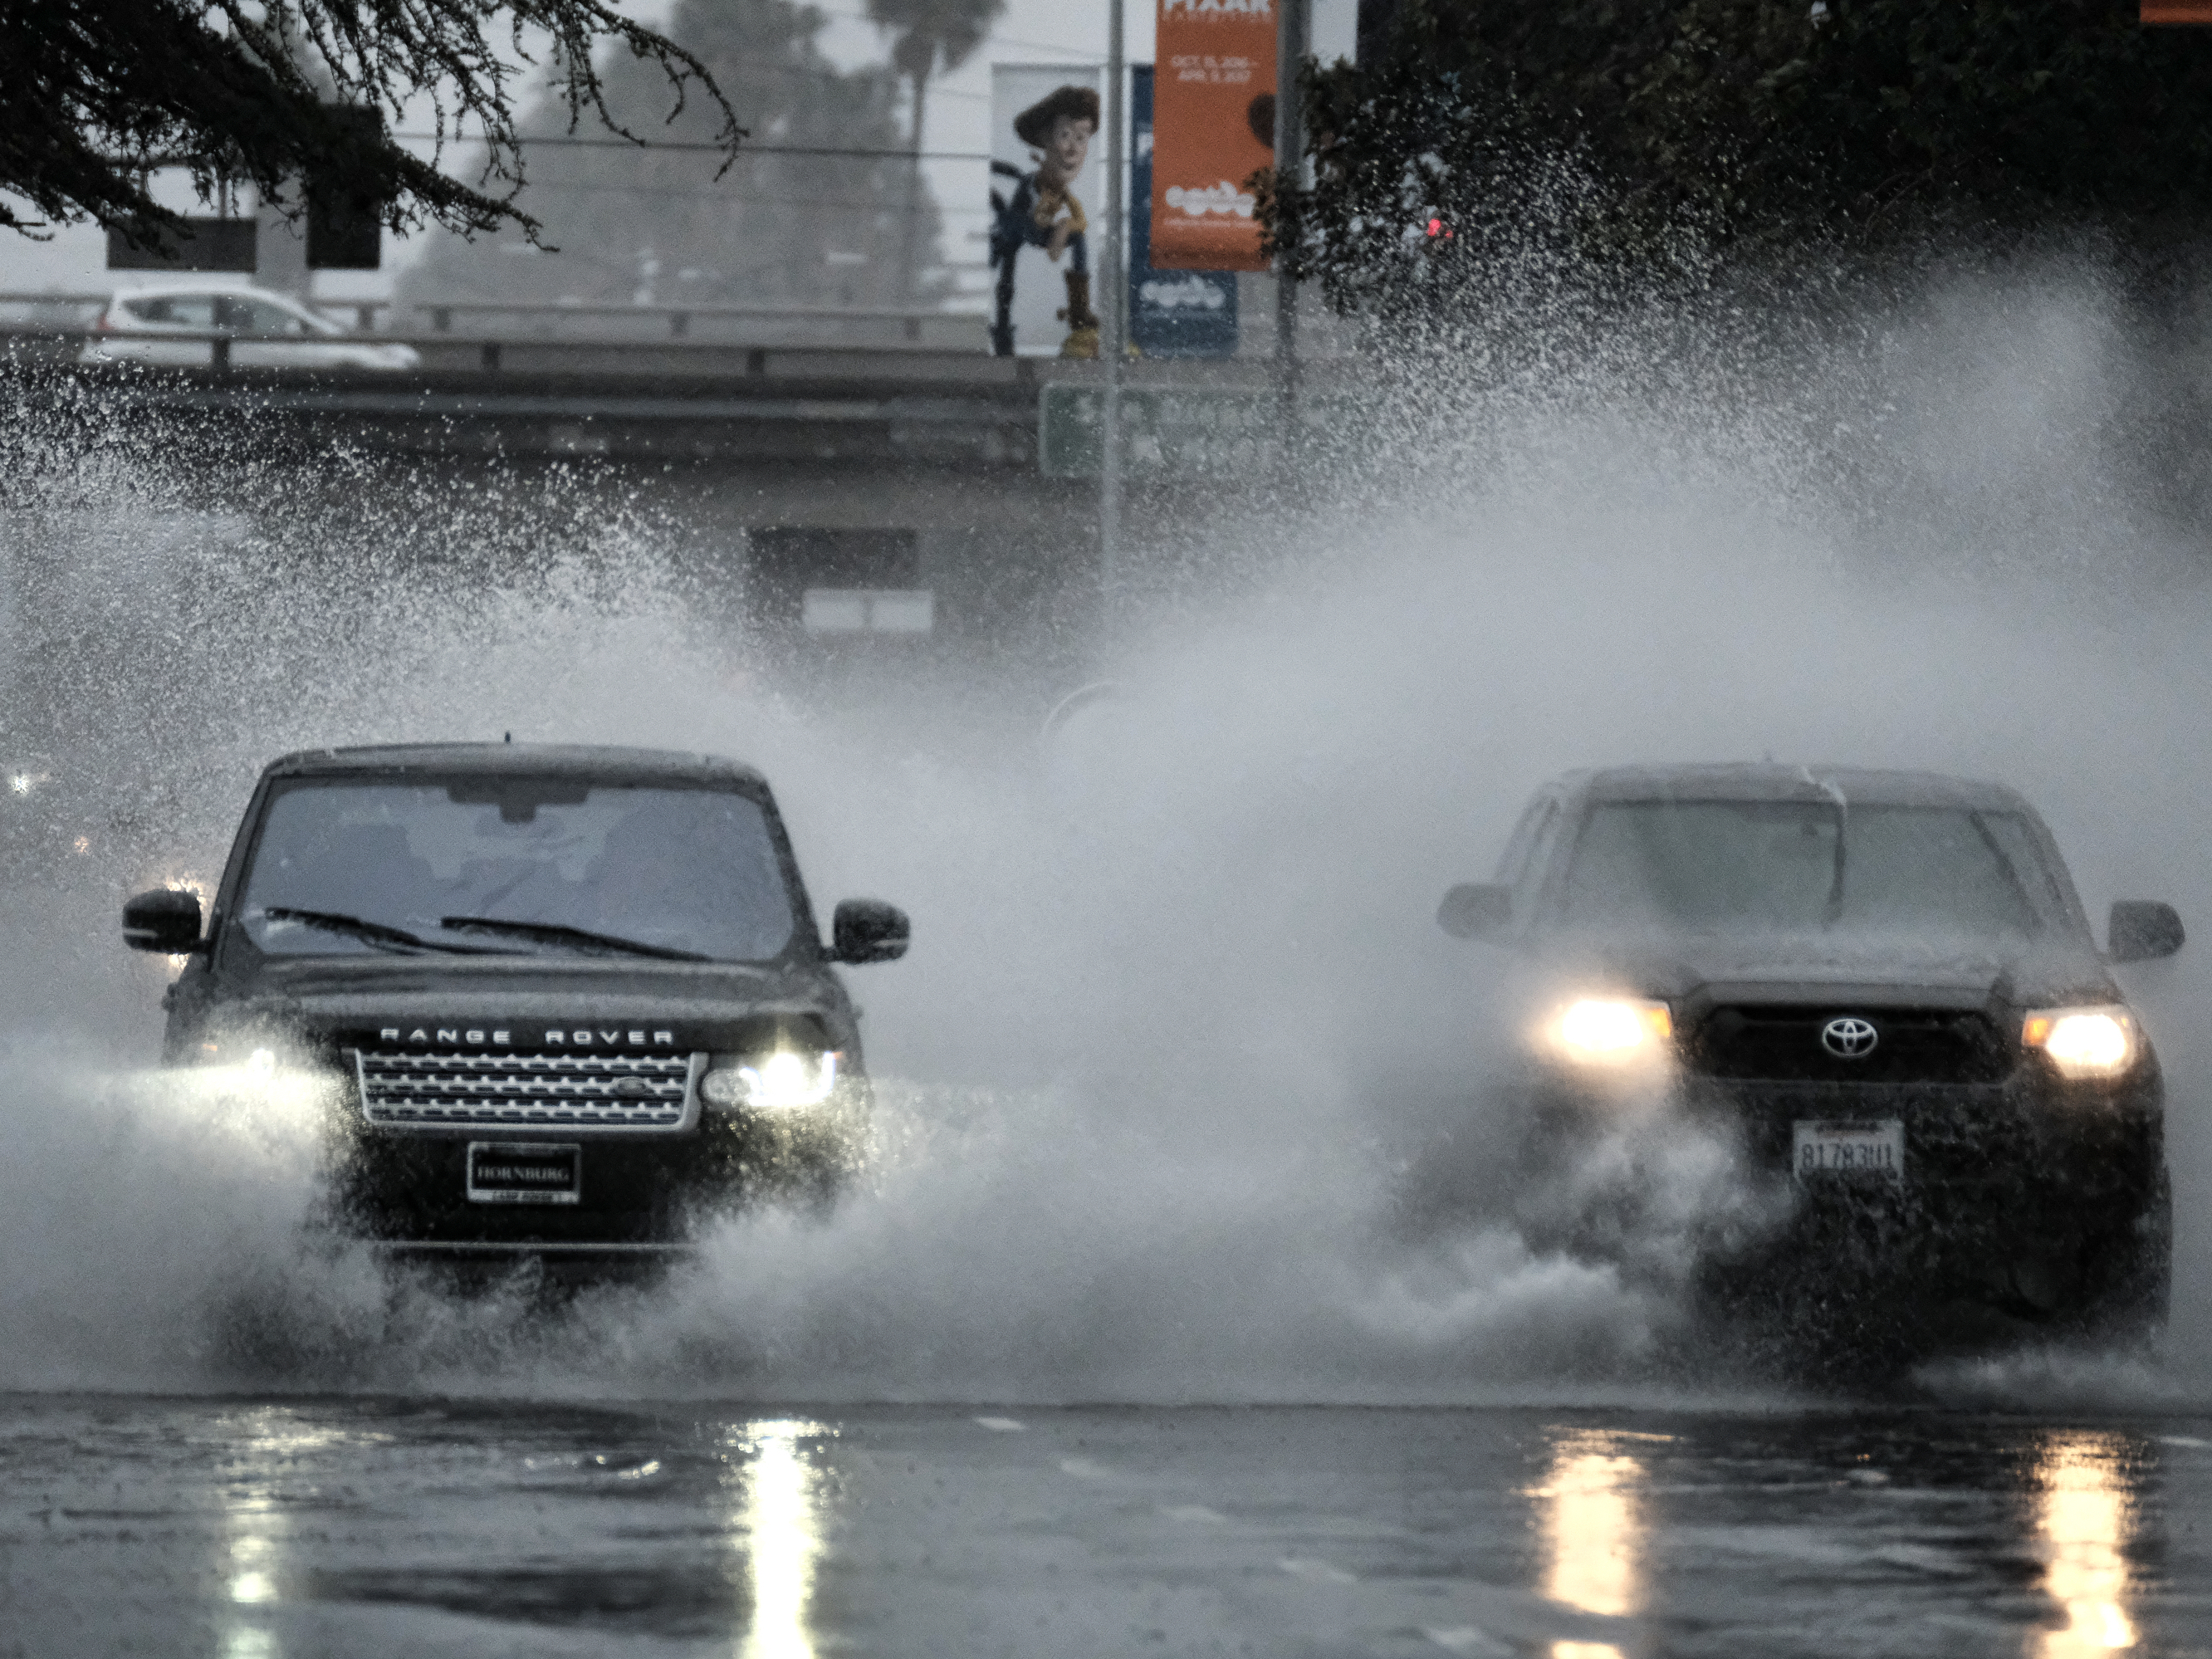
<point>1113,287</point>
<point>1293,28</point>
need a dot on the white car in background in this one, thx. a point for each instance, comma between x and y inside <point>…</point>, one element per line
<point>264,330</point>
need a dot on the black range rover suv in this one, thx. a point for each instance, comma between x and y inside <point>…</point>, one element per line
<point>553,1001</point>
<point>1880,989</point>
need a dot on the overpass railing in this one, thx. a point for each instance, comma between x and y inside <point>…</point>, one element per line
<point>741,325</point>
<point>537,317</point>
<point>493,356</point>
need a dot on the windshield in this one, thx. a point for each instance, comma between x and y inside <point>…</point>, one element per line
<point>1793,866</point>
<point>526,865</point>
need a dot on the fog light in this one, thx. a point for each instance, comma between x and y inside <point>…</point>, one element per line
<point>2082,1041</point>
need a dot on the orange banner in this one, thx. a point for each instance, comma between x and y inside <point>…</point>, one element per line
<point>1213,122</point>
<point>2177,11</point>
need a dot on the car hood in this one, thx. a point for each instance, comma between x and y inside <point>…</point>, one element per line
<point>529,1002</point>
<point>1872,968</point>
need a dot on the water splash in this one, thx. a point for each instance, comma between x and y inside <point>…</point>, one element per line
<point>1177,1020</point>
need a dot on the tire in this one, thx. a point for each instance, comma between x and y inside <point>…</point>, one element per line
<point>2128,1275</point>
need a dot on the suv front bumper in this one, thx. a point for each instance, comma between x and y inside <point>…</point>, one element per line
<point>2043,1203</point>
<point>633,1193</point>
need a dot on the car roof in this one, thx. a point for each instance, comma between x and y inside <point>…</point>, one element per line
<point>198,283</point>
<point>518,759</point>
<point>1776,780</point>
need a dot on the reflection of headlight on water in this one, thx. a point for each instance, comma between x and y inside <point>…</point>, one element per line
<point>2087,1519</point>
<point>265,1447</point>
<point>782,1538</point>
<point>1591,1515</point>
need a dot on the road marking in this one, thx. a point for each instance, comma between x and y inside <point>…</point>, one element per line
<point>1467,1638</point>
<point>1196,1512</point>
<point>1001,1425</point>
<point>1083,1468</point>
<point>1319,1573</point>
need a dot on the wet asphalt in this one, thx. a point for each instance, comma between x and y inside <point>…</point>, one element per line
<point>286,1529</point>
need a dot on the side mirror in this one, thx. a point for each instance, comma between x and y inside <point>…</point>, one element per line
<point>166,919</point>
<point>2142,930</point>
<point>868,930</point>
<point>1475,910</point>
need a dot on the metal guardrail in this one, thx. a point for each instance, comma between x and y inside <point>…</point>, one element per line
<point>679,318</point>
<point>489,354</point>
<point>699,362</point>
<point>364,311</point>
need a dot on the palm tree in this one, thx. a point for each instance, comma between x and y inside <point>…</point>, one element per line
<point>927,33</point>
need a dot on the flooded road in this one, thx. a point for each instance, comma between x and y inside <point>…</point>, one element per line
<point>277,1529</point>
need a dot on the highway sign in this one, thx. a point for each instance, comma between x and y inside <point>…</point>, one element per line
<point>1189,430</point>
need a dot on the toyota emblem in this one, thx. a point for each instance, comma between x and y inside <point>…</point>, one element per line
<point>1849,1037</point>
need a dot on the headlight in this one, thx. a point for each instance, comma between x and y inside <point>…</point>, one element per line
<point>774,1082</point>
<point>1612,1032</point>
<point>2083,1041</point>
<point>247,1070</point>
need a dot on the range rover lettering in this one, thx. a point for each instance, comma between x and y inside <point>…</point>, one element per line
<point>1881,990</point>
<point>551,1002</point>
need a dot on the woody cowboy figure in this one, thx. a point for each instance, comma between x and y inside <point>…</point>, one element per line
<point>1044,213</point>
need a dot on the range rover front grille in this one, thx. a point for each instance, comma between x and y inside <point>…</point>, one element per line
<point>1782,1043</point>
<point>575,1093</point>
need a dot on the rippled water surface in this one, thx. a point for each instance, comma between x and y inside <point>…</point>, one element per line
<point>304,1528</point>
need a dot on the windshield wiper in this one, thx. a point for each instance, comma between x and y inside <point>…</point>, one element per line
<point>373,933</point>
<point>582,937</point>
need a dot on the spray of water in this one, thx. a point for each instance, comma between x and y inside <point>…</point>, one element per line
<point>1178,1032</point>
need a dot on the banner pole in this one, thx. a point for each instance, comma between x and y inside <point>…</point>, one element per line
<point>1113,289</point>
<point>1292,27</point>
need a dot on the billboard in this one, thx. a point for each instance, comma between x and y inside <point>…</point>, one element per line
<point>1172,314</point>
<point>1214,126</point>
<point>345,233</point>
<point>345,229</point>
<point>1031,287</point>
<point>198,244</point>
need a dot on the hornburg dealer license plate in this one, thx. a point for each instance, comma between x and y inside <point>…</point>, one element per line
<point>525,1172</point>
